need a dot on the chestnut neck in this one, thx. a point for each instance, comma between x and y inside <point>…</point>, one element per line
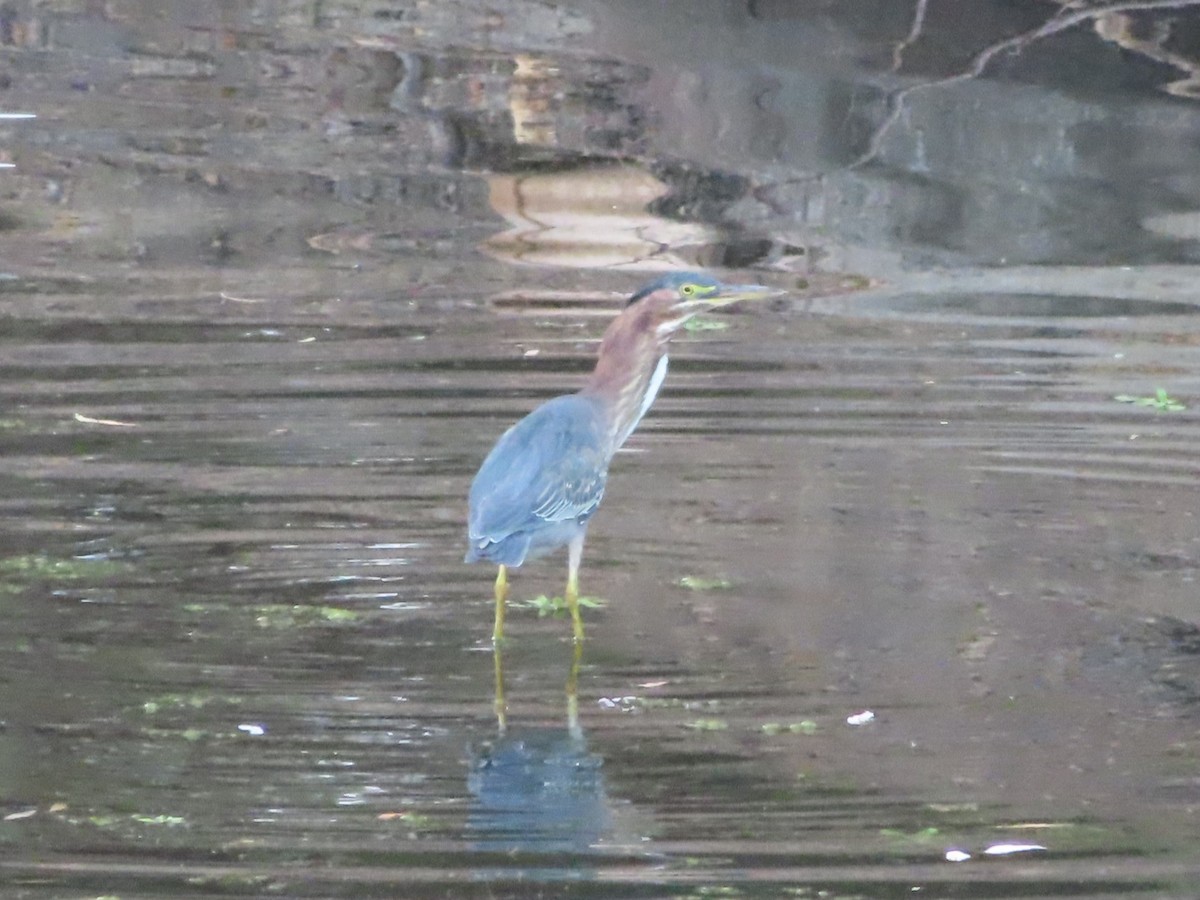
<point>629,371</point>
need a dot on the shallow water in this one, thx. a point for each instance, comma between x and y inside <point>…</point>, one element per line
<point>274,280</point>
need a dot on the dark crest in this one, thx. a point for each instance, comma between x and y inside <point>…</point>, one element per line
<point>674,281</point>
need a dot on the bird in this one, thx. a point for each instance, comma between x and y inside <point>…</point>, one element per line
<point>542,482</point>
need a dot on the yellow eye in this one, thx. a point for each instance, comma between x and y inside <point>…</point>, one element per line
<point>688,290</point>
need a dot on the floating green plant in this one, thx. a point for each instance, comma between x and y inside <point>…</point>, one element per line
<point>169,821</point>
<point>36,566</point>
<point>921,836</point>
<point>708,725</point>
<point>111,820</point>
<point>412,819</point>
<point>804,726</point>
<point>553,606</point>
<point>1160,402</point>
<point>702,323</point>
<point>165,702</point>
<point>284,616</point>
<point>698,583</point>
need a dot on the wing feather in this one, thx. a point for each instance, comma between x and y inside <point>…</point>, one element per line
<point>547,469</point>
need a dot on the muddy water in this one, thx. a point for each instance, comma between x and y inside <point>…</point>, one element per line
<point>273,281</point>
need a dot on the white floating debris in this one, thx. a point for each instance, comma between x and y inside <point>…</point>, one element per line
<point>23,814</point>
<point>861,718</point>
<point>616,702</point>
<point>1005,849</point>
<point>255,730</point>
<point>88,420</point>
<point>957,855</point>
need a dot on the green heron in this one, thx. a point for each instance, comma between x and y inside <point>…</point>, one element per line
<point>544,479</point>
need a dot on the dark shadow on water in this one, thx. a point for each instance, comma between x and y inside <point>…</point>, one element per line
<point>538,789</point>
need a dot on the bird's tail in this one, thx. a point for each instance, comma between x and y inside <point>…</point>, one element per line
<point>509,551</point>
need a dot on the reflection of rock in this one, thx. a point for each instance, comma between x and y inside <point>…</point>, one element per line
<point>540,790</point>
<point>501,112</point>
<point>531,98</point>
<point>1182,225</point>
<point>1151,38</point>
<point>588,217</point>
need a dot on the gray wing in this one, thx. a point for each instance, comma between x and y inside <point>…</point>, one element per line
<point>547,469</point>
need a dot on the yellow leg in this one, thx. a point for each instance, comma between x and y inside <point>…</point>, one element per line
<point>574,555</point>
<point>500,705</point>
<point>573,691</point>
<point>501,596</point>
<point>573,605</point>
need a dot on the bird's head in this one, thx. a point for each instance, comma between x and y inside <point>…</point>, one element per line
<point>666,304</point>
<point>633,361</point>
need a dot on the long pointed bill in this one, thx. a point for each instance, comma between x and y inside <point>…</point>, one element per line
<point>732,293</point>
<point>716,298</point>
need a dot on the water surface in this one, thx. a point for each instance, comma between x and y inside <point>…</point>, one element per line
<point>273,280</point>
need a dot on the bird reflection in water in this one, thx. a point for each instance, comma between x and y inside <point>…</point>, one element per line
<point>538,788</point>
